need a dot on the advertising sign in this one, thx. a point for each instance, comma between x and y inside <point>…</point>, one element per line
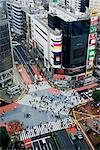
<point>93,29</point>
<point>93,13</point>
<point>94,20</point>
<point>93,36</point>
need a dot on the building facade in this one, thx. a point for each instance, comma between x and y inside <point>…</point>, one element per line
<point>15,16</point>
<point>78,5</point>
<point>74,43</point>
<point>73,52</point>
<point>75,39</point>
<point>47,42</point>
<point>6,65</point>
<point>92,42</point>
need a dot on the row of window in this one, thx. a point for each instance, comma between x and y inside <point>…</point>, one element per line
<point>17,26</point>
<point>17,14</point>
<point>4,33</point>
<point>40,29</point>
<point>18,22</point>
<point>4,40</point>
<point>5,47</point>
<point>16,7</point>
<point>41,35</point>
<point>4,27</point>
<point>69,28</point>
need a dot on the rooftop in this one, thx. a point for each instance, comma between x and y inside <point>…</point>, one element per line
<point>71,15</point>
<point>43,19</point>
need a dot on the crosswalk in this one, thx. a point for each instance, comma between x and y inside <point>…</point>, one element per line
<point>41,86</point>
<point>59,106</point>
<point>45,128</point>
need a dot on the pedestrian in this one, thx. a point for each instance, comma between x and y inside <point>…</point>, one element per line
<point>2,118</point>
<point>26,132</point>
<point>98,111</point>
<point>3,112</point>
<point>15,107</point>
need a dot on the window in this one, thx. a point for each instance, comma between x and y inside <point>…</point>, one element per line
<point>78,53</point>
<point>57,59</point>
<point>80,27</point>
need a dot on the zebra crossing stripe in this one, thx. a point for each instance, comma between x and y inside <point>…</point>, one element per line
<point>28,143</point>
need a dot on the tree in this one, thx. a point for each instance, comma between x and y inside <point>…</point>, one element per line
<point>96,96</point>
<point>4,138</point>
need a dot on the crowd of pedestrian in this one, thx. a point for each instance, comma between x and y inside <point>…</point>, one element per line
<point>44,128</point>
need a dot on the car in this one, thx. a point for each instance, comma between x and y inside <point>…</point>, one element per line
<point>90,91</point>
<point>90,94</point>
<point>79,133</point>
<point>73,137</point>
<point>43,141</point>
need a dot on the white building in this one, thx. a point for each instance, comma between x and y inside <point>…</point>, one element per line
<point>9,11</point>
<point>78,5</point>
<point>15,16</point>
<point>47,41</point>
<point>66,13</point>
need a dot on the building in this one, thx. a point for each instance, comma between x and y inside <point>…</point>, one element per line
<point>31,9</point>
<point>15,16</point>
<point>6,65</point>
<point>78,5</point>
<point>97,58</point>
<point>95,5</point>
<point>47,42</point>
<point>75,32</point>
<point>92,43</point>
<point>75,51</point>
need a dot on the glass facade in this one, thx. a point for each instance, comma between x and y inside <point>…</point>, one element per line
<point>84,4</point>
<point>74,40</point>
<point>5,48</point>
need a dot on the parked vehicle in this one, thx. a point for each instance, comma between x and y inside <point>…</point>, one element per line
<point>79,133</point>
<point>73,137</point>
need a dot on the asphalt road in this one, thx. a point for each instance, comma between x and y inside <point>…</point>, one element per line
<point>44,143</point>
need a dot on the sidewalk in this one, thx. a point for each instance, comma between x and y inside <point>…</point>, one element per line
<point>43,129</point>
<point>9,107</point>
<point>25,75</point>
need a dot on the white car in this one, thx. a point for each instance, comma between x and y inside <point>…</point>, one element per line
<point>43,141</point>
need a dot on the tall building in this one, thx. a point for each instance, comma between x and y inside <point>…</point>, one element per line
<point>75,33</point>
<point>78,5</point>
<point>95,5</point>
<point>15,16</point>
<point>64,52</point>
<point>47,43</point>
<point>79,33</point>
<point>6,65</point>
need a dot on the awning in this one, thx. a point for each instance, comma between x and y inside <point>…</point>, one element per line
<point>56,76</point>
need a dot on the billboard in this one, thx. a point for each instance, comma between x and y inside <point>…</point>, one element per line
<point>93,29</point>
<point>91,45</point>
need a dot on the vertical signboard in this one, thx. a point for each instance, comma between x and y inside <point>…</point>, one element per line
<point>91,45</point>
